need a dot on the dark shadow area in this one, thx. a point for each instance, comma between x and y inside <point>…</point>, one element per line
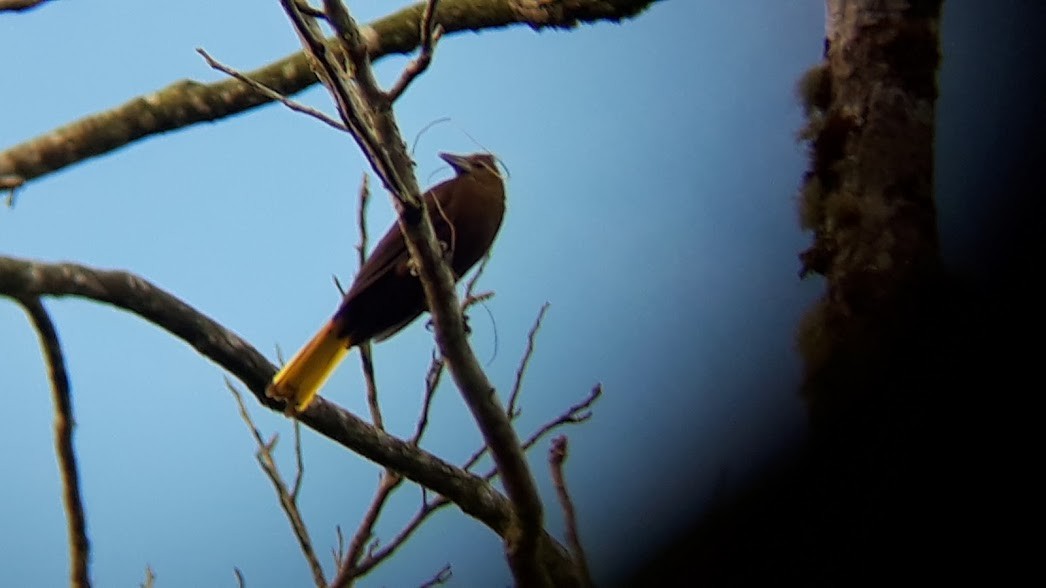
<point>922,479</point>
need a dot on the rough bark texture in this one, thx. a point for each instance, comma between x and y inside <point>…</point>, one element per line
<point>188,102</point>
<point>869,199</point>
<point>874,346</point>
<point>21,279</point>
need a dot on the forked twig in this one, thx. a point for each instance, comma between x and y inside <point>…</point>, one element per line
<point>430,35</point>
<point>436,367</point>
<point>348,570</point>
<point>288,498</point>
<point>578,413</point>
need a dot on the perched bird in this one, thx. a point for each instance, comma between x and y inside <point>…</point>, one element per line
<point>387,295</point>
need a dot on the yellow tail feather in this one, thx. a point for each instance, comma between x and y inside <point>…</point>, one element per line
<point>302,377</point>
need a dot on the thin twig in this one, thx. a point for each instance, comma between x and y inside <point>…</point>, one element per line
<point>79,546</point>
<point>367,366</point>
<point>270,93</point>
<point>361,219</point>
<point>430,35</point>
<point>366,351</point>
<point>442,577</point>
<point>333,75</point>
<point>150,577</point>
<point>241,582</point>
<point>557,455</point>
<point>185,103</point>
<point>377,556</point>
<point>432,378</point>
<point>474,299</point>
<point>348,570</point>
<point>288,500</point>
<point>299,462</point>
<point>577,413</point>
<point>339,552</point>
<point>512,410</point>
<point>366,111</point>
<point>22,278</point>
<point>436,367</point>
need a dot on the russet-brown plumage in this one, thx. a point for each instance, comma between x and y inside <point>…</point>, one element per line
<point>387,295</point>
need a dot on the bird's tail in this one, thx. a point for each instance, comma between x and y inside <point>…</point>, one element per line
<point>301,378</point>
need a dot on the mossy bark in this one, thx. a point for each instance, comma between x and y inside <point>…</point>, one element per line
<point>868,198</point>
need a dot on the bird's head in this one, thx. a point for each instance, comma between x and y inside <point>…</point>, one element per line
<point>477,164</point>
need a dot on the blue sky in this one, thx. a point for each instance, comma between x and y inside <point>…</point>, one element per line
<point>651,201</point>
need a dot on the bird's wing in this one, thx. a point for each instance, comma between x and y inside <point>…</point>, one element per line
<point>391,255</point>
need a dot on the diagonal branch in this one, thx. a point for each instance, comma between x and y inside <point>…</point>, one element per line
<point>79,546</point>
<point>577,413</point>
<point>270,93</point>
<point>367,111</point>
<point>21,279</point>
<point>187,102</point>
<point>349,569</point>
<point>430,35</point>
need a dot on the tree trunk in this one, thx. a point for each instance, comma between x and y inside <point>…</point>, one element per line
<point>868,197</point>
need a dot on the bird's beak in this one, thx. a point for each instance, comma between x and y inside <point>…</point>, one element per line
<point>460,163</point>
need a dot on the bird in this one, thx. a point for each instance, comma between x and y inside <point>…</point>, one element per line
<point>386,295</point>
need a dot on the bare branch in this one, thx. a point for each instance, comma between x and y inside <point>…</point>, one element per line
<point>10,182</point>
<point>511,411</point>
<point>330,71</point>
<point>435,371</point>
<point>339,551</point>
<point>557,455</point>
<point>188,102</point>
<point>577,413</point>
<point>270,93</point>
<point>21,279</point>
<point>288,500</point>
<point>430,35</point>
<point>470,286</point>
<point>442,577</point>
<point>299,462</point>
<point>432,378</point>
<point>79,546</point>
<point>366,353</point>
<point>19,5</point>
<point>377,556</point>
<point>368,114</point>
<point>361,219</point>
<point>241,582</point>
<point>348,569</point>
